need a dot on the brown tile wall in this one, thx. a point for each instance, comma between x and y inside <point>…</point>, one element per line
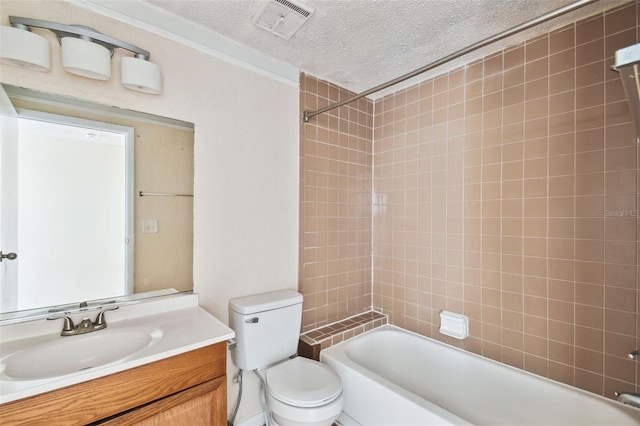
<point>335,206</point>
<point>506,190</point>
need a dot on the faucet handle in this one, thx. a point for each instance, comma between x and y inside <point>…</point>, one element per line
<point>100,322</point>
<point>68,327</point>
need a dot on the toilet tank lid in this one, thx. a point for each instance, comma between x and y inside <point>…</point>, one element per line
<point>265,301</point>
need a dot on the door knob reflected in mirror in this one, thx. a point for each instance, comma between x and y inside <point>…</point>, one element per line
<point>8,256</point>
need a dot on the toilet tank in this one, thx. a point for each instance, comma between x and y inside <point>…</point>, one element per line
<point>267,327</point>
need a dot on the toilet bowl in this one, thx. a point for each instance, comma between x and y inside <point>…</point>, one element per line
<point>301,391</point>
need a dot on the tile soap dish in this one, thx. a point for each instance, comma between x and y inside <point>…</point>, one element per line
<point>454,325</point>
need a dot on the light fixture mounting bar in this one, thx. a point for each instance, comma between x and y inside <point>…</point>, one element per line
<point>62,30</point>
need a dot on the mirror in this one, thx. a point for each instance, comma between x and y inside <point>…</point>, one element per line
<point>96,202</point>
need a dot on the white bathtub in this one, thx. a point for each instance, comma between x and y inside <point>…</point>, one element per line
<point>393,377</point>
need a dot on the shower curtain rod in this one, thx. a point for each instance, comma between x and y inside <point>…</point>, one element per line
<point>307,115</point>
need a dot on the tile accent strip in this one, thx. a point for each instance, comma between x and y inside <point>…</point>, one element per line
<point>336,332</point>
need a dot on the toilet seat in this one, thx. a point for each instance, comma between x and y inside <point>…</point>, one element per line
<point>302,382</point>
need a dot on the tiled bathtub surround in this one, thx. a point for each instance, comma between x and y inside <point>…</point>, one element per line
<point>505,190</point>
<point>335,206</point>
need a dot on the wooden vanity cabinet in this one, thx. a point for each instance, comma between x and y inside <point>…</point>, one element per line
<point>186,389</point>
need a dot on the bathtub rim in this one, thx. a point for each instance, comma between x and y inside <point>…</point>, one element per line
<point>394,328</point>
<point>428,411</point>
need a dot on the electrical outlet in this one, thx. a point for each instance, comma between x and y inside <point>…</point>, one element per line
<point>150,226</point>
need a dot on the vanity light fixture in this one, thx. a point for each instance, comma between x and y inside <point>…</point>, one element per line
<point>85,52</point>
<point>22,48</point>
<point>85,58</point>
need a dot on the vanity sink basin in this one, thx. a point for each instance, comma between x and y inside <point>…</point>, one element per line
<point>66,355</point>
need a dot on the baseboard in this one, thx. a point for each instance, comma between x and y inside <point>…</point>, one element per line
<point>345,420</point>
<point>257,420</point>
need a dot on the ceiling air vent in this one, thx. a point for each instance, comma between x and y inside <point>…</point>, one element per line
<point>281,17</point>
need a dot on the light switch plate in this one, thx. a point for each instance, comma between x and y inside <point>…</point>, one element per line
<point>150,226</point>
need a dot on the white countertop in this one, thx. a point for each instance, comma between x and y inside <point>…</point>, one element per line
<point>185,327</point>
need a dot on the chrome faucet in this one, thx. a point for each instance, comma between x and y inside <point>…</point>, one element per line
<point>629,398</point>
<point>85,326</point>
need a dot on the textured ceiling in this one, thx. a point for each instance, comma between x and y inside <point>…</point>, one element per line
<point>359,44</point>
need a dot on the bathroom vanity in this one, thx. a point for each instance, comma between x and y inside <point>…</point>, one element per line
<point>178,390</point>
<point>178,378</point>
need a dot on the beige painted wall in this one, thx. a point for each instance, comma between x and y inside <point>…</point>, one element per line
<point>246,155</point>
<point>164,164</point>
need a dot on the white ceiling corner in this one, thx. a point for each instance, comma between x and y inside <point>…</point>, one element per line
<point>356,44</point>
<point>177,28</point>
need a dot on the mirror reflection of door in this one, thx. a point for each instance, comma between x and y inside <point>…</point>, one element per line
<point>74,174</point>
<point>8,201</point>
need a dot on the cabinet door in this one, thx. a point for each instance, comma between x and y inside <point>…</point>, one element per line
<point>202,405</point>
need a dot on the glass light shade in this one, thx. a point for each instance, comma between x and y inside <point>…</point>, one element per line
<point>141,75</point>
<point>85,58</point>
<point>24,49</point>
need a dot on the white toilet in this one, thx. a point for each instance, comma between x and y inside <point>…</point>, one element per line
<point>299,391</point>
